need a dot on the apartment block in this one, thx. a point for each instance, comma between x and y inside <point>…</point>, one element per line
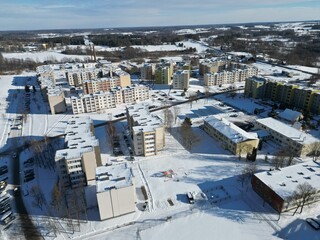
<point>181,80</point>
<point>236,73</point>
<point>85,103</point>
<point>299,142</point>
<point>76,77</point>
<point>147,130</point>
<point>76,163</point>
<point>115,191</point>
<point>101,84</point>
<point>230,136</point>
<point>211,66</point>
<point>293,96</point>
<point>255,87</point>
<point>147,71</point>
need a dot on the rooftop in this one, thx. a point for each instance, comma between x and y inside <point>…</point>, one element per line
<point>285,180</point>
<point>115,176</point>
<point>287,130</point>
<point>230,130</point>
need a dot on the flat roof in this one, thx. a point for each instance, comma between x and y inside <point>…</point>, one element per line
<point>284,181</point>
<point>114,176</point>
<point>287,130</point>
<point>230,130</point>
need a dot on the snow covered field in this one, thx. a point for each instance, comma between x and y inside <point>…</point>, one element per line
<point>44,56</point>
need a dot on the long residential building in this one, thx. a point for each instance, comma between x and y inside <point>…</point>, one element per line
<point>115,191</point>
<point>147,130</point>
<point>300,143</point>
<point>277,187</point>
<point>232,138</point>
<point>290,95</point>
<point>76,163</point>
<point>237,73</point>
<point>103,100</point>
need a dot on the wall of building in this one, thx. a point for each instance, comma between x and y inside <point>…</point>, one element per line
<point>57,104</point>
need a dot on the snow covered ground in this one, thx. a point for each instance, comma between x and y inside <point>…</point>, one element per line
<point>44,56</point>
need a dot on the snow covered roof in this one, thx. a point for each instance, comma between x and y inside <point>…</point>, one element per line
<point>285,180</point>
<point>115,176</point>
<point>290,115</point>
<point>79,138</point>
<point>142,119</point>
<point>230,130</point>
<point>286,130</point>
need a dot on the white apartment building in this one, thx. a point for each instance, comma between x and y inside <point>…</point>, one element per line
<point>147,130</point>
<point>181,80</point>
<point>104,100</point>
<point>115,191</point>
<point>76,163</point>
<point>299,142</point>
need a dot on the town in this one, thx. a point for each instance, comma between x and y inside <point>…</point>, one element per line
<point>199,136</point>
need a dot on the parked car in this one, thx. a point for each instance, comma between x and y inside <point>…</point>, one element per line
<point>313,223</point>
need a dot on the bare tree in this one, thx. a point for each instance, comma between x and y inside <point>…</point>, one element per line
<point>243,148</point>
<point>38,196</point>
<point>168,118</point>
<point>176,112</point>
<point>206,94</point>
<point>303,193</point>
<point>247,173</point>
<point>315,150</point>
<point>188,137</point>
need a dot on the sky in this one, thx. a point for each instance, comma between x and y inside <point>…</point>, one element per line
<point>66,14</point>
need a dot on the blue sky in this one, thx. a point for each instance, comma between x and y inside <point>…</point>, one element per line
<point>59,14</point>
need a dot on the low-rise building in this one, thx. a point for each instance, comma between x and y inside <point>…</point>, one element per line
<point>300,143</point>
<point>277,187</point>
<point>115,191</point>
<point>76,163</point>
<point>147,130</point>
<point>231,137</point>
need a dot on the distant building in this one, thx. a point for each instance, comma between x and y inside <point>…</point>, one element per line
<point>147,72</point>
<point>231,136</point>
<point>290,115</point>
<point>181,80</point>
<point>290,95</point>
<point>163,72</point>
<point>230,73</point>
<point>115,191</point>
<point>277,187</point>
<point>76,163</point>
<point>299,142</point>
<point>147,130</point>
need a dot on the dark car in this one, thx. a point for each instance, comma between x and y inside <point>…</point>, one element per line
<point>313,223</point>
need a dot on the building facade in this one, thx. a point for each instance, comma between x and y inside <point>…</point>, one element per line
<point>76,163</point>
<point>147,130</point>
<point>299,142</point>
<point>230,136</point>
<point>277,187</point>
<point>181,80</point>
<point>115,191</point>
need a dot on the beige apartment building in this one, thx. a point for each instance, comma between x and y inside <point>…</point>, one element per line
<point>115,191</point>
<point>147,130</point>
<point>299,142</point>
<point>76,163</point>
<point>211,66</point>
<point>230,76</point>
<point>76,77</point>
<point>231,136</point>
<point>181,80</point>
<point>101,84</point>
